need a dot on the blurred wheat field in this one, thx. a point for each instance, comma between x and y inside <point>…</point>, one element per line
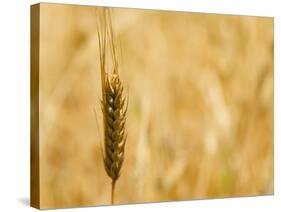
<point>200,115</point>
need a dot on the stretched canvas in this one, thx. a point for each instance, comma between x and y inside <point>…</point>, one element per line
<point>138,106</point>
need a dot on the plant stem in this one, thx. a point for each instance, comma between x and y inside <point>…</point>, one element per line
<point>112,191</point>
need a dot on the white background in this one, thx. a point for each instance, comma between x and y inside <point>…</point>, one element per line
<point>15,98</point>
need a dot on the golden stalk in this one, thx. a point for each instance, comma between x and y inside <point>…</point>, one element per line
<point>114,103</point>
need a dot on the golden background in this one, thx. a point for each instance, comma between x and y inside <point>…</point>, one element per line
<point>200,116</point>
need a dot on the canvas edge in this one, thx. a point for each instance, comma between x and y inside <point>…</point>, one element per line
<point>34,106</point>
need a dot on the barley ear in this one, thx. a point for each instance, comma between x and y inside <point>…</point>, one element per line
<point>114,104</point>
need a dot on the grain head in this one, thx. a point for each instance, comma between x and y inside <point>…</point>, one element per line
<point>114,103</point>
